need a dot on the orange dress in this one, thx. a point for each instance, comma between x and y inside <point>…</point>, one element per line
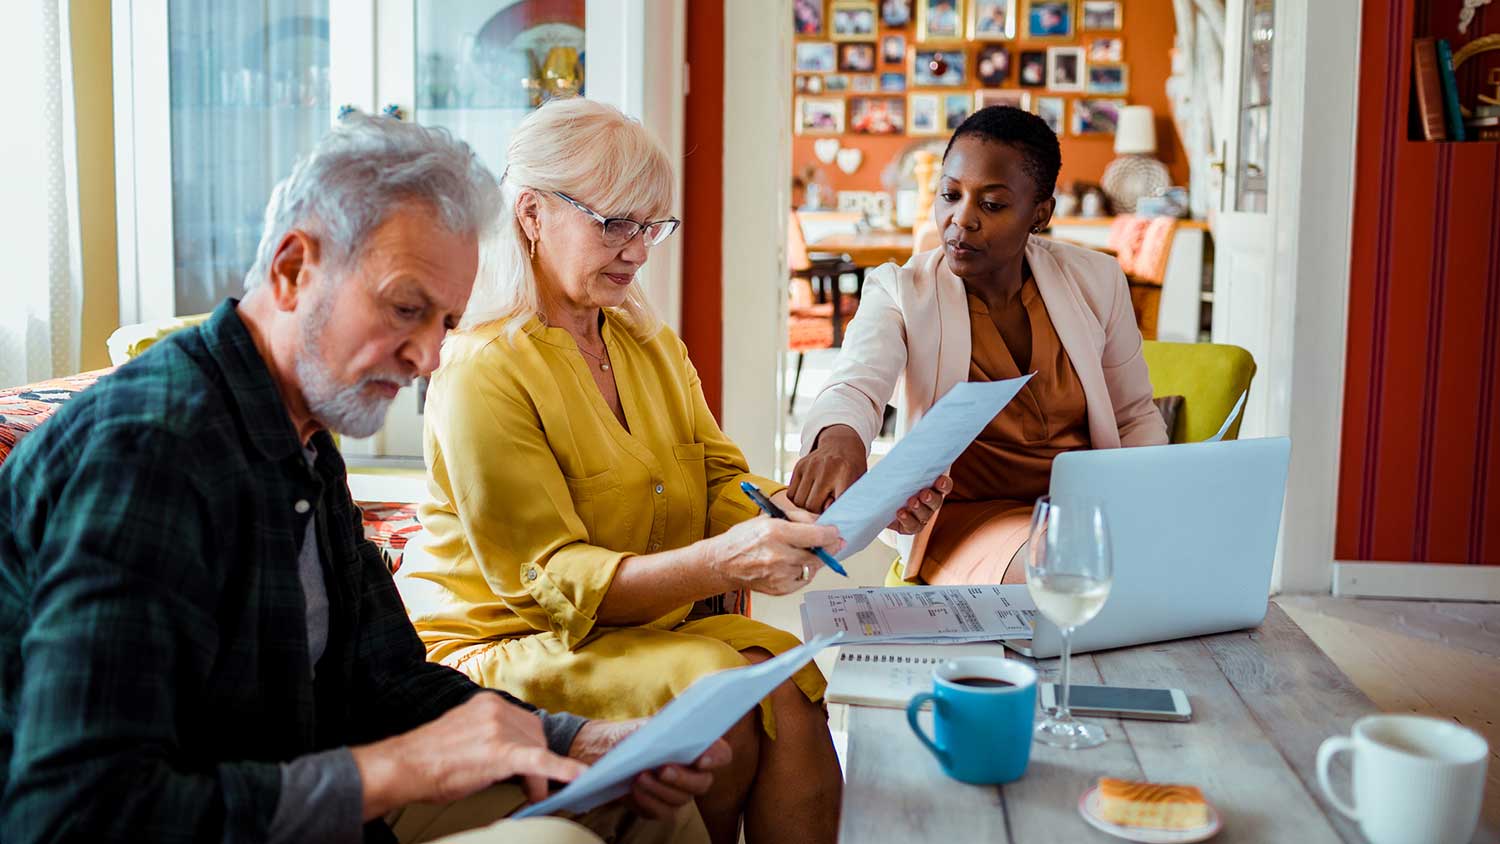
<point>984,521</point>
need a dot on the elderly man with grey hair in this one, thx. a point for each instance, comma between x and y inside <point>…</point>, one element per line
<point>197,642</point>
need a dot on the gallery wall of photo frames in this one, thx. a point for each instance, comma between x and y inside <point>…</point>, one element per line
<point>1003,61</point>
<point>919,67</point>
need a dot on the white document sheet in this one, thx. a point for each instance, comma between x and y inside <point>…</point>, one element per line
<point>921,614</point>
<point>680,732</point>
<point>1233,415</point>
<point>925,453</point>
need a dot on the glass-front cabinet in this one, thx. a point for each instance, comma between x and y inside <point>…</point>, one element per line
<point>215,102</point>
<point>1253,150</point>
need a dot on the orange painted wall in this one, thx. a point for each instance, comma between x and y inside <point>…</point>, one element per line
<point>1150,26</point>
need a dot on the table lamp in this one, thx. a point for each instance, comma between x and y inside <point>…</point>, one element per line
<point>1135,173</point>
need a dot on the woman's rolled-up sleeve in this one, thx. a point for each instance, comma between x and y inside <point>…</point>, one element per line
<point>515,506</point>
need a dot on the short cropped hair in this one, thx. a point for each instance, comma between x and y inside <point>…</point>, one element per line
<point>1027,133</point>
<point>361,172</point>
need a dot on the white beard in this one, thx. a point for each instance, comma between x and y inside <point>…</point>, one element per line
<point>342,409</point>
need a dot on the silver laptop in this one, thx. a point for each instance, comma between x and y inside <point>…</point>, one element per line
<point>1193,528</point>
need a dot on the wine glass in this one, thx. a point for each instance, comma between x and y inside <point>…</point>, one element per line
<point>1069,569</point>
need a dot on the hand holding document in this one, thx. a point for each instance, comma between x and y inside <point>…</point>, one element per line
<point>918,459</point>
<point>680,732</point>
<point>920,614</point>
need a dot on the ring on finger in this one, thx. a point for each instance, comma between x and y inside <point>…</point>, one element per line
<point>806,572</point>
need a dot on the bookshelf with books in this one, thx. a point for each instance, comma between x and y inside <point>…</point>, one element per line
<point>1455,76</point>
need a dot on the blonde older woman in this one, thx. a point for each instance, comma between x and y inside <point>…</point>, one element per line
<point>994,301</point>
<point>582,496</point>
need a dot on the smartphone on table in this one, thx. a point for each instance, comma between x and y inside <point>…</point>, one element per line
<point>1121,702</point>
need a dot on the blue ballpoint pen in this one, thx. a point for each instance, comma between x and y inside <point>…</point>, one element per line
<point>775,512</point>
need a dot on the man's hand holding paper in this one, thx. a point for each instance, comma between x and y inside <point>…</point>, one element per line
<point>678,735</point>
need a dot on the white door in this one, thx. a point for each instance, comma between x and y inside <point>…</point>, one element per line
<point>1242,217</point>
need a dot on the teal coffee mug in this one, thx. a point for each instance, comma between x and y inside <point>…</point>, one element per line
<point>983,708</point>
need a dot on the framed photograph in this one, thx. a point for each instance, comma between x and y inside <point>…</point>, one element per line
<point>1103,15</point>
<point>816,57</point>
<point>1096,116</point>
<point>992,20</point>
<point>940,20</point>
<point>864,83</point>
<point>877,115</point>
<point>992,65</point>
<point>1065,68</point>
<point>1108,79</point>
<point>1032,69</point>
<point>893,49</point>
<point>1106,50</point>
<point>820,116</point>
<point>809,83</point>
<point>926,111</point>
<point>895,13</point>
<point>857,58</point>
<point>1013,97</point>
<point>956,109</point>
<point>1054,111</point>
<point>893,83</point>
<point>807,18</point>
<point>853,20</point>
<point>937,68</point>
<point>835,83</point>
<point>1049,19</point>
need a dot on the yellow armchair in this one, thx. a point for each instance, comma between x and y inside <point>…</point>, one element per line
<point>129,341</point>
<point>1210,377</point>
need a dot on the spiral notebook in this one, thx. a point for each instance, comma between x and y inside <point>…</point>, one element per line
<point>888,675</point>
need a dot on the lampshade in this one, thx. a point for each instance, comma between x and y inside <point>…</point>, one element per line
<point>1135,133</point>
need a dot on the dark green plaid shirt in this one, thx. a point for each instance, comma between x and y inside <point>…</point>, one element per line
<point>153,637</point>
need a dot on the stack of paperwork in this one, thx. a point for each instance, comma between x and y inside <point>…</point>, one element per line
<point>920,614</point>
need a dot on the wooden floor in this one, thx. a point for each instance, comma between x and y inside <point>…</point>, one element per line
<point>1433,658</point>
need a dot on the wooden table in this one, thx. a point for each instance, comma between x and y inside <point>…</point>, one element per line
<point>867,250</point>
<point>1263,700</point>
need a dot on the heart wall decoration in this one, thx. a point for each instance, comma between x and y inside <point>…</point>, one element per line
<point>850,159</point>
<point>825,149</point>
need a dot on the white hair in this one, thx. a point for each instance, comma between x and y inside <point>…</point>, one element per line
<point>361,172</point>
<point>592,152</point>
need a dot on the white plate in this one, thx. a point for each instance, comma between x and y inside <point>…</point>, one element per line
<point>1088,806</point>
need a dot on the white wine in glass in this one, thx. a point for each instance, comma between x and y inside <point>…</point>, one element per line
<point>1069,569</point>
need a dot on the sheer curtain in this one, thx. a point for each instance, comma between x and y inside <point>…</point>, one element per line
<point>41,274</point>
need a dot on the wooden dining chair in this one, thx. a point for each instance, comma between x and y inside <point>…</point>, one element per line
<point>815,318</point>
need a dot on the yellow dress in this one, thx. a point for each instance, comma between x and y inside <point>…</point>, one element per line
<point>536,493</point>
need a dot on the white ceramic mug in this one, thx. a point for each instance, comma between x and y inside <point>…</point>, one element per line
<point>1417,780</point>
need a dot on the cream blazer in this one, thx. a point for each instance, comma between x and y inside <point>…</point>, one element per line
<point>910,340</point>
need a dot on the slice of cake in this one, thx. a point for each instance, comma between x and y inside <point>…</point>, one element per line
<point>1150,804</point>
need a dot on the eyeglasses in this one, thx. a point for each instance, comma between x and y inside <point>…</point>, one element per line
<point>619,231</point>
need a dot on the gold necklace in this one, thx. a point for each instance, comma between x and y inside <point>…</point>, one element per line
<point>603,361</point>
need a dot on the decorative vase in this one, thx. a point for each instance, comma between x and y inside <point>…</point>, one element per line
<point>1135,174</point>
<point>1132,177</point>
